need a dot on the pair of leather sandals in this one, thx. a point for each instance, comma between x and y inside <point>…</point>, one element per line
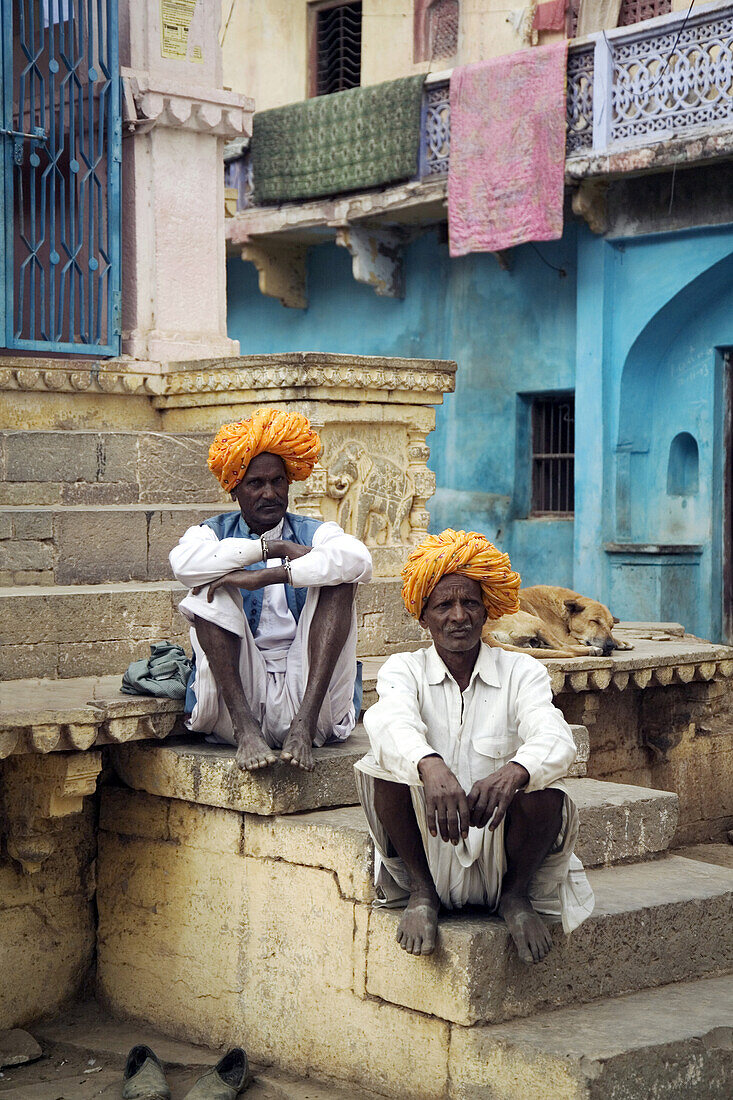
<point>144,1078</point>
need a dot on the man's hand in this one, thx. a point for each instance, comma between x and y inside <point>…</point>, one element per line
<point>495,793</point>
<point>445,799</point>
<point>283,548</point>
<point>251,579</point>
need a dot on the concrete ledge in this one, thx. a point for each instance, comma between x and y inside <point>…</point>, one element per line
<point>207,775</point>
<point>654,923</point>
<point>40,716</point>
<point>666,1043</point>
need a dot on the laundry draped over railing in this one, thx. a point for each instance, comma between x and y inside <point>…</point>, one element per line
<point>507,157</point>
<point>364,137</point>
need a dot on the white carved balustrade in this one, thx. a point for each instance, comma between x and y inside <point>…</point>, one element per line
<point>627,87</point>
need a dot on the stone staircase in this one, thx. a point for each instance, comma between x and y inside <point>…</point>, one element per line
<point>237,908</point>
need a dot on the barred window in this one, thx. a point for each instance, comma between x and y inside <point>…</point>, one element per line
<point>636,11</point>
<point>435,29</point>
<point>632,11</point>
<point>443,18</point>
<point>337,48</point>
<point>553,455</point>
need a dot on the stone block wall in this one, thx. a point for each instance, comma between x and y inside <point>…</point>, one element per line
<point>674,738</point>
<point>47,947</point>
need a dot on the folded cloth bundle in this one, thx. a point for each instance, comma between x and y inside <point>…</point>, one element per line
<point>165,672</point>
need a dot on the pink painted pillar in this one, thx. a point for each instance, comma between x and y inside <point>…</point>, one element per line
<point>176,119</point>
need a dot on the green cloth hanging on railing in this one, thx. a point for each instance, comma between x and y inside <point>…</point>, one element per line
<point>364,137</point>
<point>165,673</point>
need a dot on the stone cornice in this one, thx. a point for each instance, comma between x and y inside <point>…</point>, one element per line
<point>310,374</point>
<point>148,103</point>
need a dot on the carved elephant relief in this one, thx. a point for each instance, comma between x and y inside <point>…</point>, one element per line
<point>375,496</point>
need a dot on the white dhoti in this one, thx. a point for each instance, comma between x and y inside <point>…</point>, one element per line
<point>471,872</point>
<point>274,696</point>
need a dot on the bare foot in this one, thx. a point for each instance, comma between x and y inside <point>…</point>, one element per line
<point>527,929</point>
<point>417,930</point>
<point>298,745</point>
<point>253,752</point>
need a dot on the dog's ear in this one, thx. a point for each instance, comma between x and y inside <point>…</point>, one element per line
<point>573,607</point>
<point>615,620</point>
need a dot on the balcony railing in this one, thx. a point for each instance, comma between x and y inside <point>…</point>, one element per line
<point>626,87</point>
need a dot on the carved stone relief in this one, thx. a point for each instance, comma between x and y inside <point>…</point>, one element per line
<point>374,494</point>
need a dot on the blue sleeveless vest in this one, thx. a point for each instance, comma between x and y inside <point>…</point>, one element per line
<point>296,528</point>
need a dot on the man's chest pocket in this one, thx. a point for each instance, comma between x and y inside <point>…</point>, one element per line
<point>493,737</point>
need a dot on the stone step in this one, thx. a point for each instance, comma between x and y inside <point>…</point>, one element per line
<point>206,774</point>
<point>57,631</point>
<point>78,714</point>
<point>92,544</point>
<point>635,823</point>
<point>667,1043</point>
<point>654,923</point>
<point>98,467</point>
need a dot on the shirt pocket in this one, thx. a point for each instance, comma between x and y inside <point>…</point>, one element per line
<point>495,745</point>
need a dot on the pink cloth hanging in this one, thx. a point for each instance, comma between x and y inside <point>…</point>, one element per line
<point>550,16</point>
<point>507,157</point>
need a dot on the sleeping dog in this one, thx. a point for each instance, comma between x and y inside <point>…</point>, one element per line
<point>555,622</point>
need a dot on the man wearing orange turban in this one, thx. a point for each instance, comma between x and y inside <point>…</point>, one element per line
<point>271,606</point>
<point>463,785</point>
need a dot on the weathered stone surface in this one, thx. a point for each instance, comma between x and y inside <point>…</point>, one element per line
<point>174,467</point>
<point>47,921</point>
<point>207,774</point>
<point>620,823</point>
<point>17,554</point>
<point>214,918</point>
<point>31,524</point>
<point>475,974</point>
<point>78,713</point>
<point>335,839</point>
<point>51,456</point>
<point>17,1047</point>
<point>98,546</point>
<point>667,1043</point>
<point>88,613</point>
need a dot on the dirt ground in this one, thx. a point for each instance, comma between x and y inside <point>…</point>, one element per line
<point>84,1053</point>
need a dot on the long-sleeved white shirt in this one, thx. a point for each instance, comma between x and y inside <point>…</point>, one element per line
<point>506,713</point>
<point>335,558</point>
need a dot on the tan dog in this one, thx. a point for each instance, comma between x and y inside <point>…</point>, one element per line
<point>555,622</point>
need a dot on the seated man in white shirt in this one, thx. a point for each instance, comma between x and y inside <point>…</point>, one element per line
<point>271,603</point>
<point>462,788</point>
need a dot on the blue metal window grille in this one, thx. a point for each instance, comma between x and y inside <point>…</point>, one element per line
<point>60,197</point>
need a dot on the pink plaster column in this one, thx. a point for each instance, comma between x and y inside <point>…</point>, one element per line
<point>176,119</point>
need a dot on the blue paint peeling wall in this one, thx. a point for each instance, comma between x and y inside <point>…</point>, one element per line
<point>637,327</point>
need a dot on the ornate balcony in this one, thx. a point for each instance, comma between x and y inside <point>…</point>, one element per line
<point>670,77</point>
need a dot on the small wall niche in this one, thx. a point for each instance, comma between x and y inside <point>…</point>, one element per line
<point>683,478</point>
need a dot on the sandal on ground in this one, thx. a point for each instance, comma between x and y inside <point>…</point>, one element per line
<point>225,1081</point>
<point>143,1078</point>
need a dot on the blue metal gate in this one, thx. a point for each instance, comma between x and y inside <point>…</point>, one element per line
<point>60,196</point>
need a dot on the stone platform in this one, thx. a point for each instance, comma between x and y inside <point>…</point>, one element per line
<point>201,885</point>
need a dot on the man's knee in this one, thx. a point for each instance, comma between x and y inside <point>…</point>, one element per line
<point>211,636</point>
<point>537,808</point>
<point>389,797</point>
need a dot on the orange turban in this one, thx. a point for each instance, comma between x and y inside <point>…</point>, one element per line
<point>470,555</point>
<point>270,431</point>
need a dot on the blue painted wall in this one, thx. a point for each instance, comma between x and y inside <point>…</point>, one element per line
<point>637,327</point>
<point>510,332</point>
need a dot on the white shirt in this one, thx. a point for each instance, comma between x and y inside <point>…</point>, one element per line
<point>335,558</point>
<point>506,713</point>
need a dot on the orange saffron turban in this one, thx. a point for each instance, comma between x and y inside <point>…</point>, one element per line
<point>288,435</point>
<point>470,555</point>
